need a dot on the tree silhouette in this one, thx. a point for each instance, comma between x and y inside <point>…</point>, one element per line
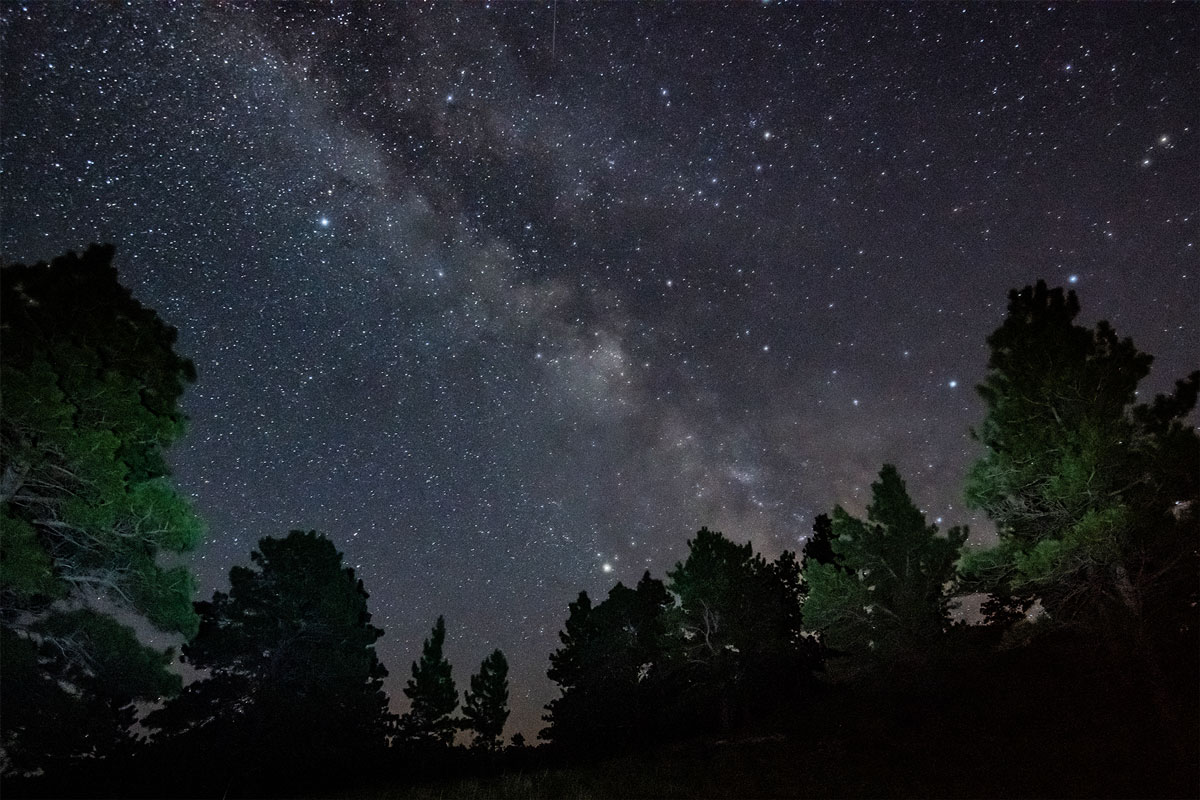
<point>294,682</point>
<point>610,668</point>
<point>485,706</point>
<point>739,616</point>
<point>91,384</point>
<point>819,548</point>
<point>433,694</point>
<point>885,596</point>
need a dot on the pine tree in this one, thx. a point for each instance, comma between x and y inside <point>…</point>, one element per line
<point>294,681</point>
<point>91,385</point>
<point>485,706</point>
<point>885,595</point>
<point>819,548</point>
<point>610,668</point>
<point>433,694</point>
<point>739,616</point>
<point>1096,499</point>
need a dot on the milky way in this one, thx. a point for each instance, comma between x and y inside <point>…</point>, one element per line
<point>510,300</point>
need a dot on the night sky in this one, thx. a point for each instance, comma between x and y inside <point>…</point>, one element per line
<point>510,300</point>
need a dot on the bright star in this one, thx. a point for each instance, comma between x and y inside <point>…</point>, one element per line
<point>1073,279</point>
<point>607,567</point>
<point>324,222</point>
<point>953,384</point>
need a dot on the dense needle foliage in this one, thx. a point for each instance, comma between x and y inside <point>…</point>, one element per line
<point>91,384</point>
<point>883,596</point>
<point>1095,496</point>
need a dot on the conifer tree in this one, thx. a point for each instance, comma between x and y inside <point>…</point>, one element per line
<point>433,694</point>
<point>1096,499</point>
<point>885,595</point>
<point>91,385</point>
<point>611,667</point>
<point>819,548</point>
<point>485,706</point>
<point>294,681</point>
<point>741,647</point>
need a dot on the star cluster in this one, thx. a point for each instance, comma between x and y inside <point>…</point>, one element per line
<point>510,299</point>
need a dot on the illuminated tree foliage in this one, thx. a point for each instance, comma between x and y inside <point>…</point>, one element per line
<point>91,384</point>
<point>293,679</point>
<point>1095,497</point>
<point>485,705</point>
<point>885,594</point>
<point>433,694</point>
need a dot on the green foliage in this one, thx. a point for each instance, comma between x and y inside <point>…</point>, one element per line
<point>1095,497</point>
<point>28,569</point>
<point>733,601</point>
<point>91,384</point>
<point>95,649</point>
<point>485,706</point>
<point>290,654</point>
<point>885,596</point>
<point>433,694</point>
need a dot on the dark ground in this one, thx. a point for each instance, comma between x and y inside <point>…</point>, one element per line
<point>1051,721</point>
